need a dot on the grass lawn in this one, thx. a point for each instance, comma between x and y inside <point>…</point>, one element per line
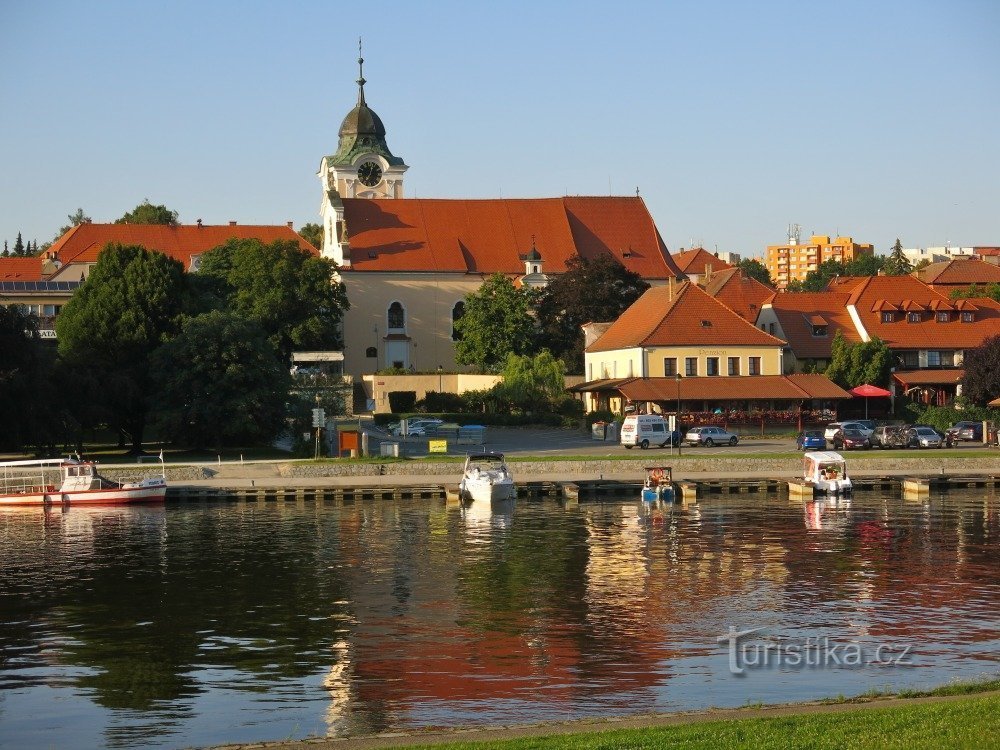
<point>969,722</point>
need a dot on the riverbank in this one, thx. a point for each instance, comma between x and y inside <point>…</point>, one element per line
<point>928,721</point>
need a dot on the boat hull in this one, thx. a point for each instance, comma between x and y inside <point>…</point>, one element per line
<point>148,492</point>
<point>486,492</point>
<point>656,494</point>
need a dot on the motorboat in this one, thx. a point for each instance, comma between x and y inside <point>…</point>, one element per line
<point>486,478</point>
<point>826,471</point>
<point>70,481</point>
<point>658,484</point>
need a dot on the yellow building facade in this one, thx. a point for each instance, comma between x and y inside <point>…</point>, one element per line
<point>794,260</point>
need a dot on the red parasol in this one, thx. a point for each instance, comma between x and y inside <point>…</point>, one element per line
<point>870,391</point>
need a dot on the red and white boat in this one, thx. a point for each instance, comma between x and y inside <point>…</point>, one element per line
<point>67,481</point>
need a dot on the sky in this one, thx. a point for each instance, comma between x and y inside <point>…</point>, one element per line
<point>733,120</point>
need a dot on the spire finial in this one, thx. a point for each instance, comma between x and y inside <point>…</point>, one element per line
<point>361,76</point>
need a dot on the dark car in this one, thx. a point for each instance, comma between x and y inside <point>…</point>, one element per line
<point>851,439</point>
<point>965,431</point>
<point>811,440</point>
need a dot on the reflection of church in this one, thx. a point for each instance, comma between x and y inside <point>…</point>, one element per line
<point>408,263</point>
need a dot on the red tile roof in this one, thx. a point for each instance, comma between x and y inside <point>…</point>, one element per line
<point>795,313</point>
<point>697,260</point>
<point>929,377</point>
<point>738,291</point>
<point>83,243</point>
<point>959,273</point>
<point>792,387</point>
<point>680,315</point>
<point>490,236</point>
<point>20,269</point>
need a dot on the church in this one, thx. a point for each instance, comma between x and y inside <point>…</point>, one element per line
<point>408,263</point>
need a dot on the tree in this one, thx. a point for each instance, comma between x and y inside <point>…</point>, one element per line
<point>754,269</point>
<point>313,234</point>
<point>817,280</point>
<point>21,378</point>
<point>532,383</point>
<point>865,265</point>
<point>852,365</point>
<point>18,246</point>
<point>75,220</point>
<point>598,290</point>
<point>981,382</point>
<point>897,264</point>
<point>231,389</point>
<point>496,323</point>
<point>128,306</point>
<point>147,213</point>
<point>990,291</point>
<point>290,293</point>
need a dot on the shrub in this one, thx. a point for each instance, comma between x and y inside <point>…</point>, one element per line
<point>436,402</point>
<point>400,401</point>
<point>601,415</point>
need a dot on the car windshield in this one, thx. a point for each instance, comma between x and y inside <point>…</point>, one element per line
<point>814,434</point>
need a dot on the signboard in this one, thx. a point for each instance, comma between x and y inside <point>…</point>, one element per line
<point>319,417</point>
<point>437,446</point>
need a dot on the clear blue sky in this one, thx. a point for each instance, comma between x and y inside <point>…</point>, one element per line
<point>734,119</point>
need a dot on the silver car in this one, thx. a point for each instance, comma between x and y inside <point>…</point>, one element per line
<point>923,437</point>
<point>709,436</point>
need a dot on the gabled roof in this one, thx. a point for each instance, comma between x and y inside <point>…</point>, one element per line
<point>680,315</point>
<point>745,295</point>
<point>798,313</point>
<point>697,260</point>
<point>84,242</point>
<point>959,272</point>
<point>493,236</point>
<point>21,269</point>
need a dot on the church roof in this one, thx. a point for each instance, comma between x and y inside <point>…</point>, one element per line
<point>493,235</point>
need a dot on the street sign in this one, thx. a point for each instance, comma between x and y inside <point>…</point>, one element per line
<point>319,417</point>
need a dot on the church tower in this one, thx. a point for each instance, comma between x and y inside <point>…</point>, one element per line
<point>362,167</point>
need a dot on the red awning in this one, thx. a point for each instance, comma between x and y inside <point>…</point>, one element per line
<point>870,391</point>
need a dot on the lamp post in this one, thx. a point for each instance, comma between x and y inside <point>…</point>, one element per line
<point>440,370</point>
<point>677,419</point>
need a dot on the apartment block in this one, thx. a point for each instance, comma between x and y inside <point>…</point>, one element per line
<point>795,259</point>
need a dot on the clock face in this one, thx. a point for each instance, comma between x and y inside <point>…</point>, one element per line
<point>370,174</point>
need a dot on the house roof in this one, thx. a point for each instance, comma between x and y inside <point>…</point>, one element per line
<point>84,242</point>
<point>21,269</point>
<point>493,236</point>
<point>680,315</point>
<point>929,377</point>
<point>959,272</point>
<point>876,294</point>
<point>792,387</point>
<point>798,312</point>
<point>697,261</point>
<point>743,294</point>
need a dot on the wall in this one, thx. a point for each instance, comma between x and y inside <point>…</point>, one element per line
<point>422,383</point>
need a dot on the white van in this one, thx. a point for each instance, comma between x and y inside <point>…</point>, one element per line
<point>645,430</point>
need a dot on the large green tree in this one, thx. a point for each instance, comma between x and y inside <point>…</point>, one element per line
<point>532,383</point>
<point>854,364</point>
<point>897,264</point>
<point>591,290</point>
<point>219,382</point>
<point>981,382</point>
<point>989,291</point>
<point>290,293</point>
<point>129,305</point>
<point>754,269</point>
<point>313,234</point>
<point>147,213</point>
<point>497,322</point>
<point>22,387</point>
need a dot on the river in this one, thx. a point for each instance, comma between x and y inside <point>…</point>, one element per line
<point>195,624</point>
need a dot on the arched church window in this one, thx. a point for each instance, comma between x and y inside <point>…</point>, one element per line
<point>397,316</point>
<point>456,315</point>
<point>371,352</point>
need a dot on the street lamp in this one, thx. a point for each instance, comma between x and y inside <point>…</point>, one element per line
<point>440,370</point>
<point>677,419</point>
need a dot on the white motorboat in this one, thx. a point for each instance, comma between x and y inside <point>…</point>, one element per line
<point>72,482</point>
<point>827,472</point>
<point>486,478</point>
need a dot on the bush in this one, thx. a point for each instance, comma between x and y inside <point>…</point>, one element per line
<point>436,402</point>
<point>601,415</point>
<point>400,401</point>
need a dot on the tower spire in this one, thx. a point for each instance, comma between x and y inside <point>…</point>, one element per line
<point>361,77</point>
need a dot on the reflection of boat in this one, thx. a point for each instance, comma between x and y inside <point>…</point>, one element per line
<point>826,513</point>
<point>658,485</point>
<point>486,478</point>
<point>827,472</point>
<point>73,482</point>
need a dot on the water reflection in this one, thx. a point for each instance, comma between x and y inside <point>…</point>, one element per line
<point>209,623</point>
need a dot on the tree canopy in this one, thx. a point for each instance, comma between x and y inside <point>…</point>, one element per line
<point>981,382</point>
<point>313,234</point>
<point>289,292</point>
<point>231,388</point>
<point>852,365</point>
<point>591,290</point>
<point>20,377</point>
<point>497,322</point>
<point>817,280</point>
<point>128,306</point>
<point>988,291</point>
<point>754,269</point>
<point>147,213</point>
<point>897,264</point>
<point>532,382</point>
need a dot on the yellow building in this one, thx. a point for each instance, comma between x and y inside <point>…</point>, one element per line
<point>795,260</point>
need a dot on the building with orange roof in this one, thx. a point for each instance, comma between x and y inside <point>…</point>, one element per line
<point>808,321</point>
<point>741,293</point>
<point>959,274</point>
<point>698,264</point>
<point>794,260</point>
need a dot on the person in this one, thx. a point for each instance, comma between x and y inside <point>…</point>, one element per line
<point>822,474</point>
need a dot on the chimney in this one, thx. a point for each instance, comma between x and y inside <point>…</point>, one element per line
<point>232,223</point>
<point>199,223</point>
<point>291,225</point>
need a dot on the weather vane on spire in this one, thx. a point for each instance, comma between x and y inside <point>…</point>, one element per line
<point>361,75</point>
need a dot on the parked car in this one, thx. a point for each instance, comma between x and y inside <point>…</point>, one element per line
<point>966,431</point>
<point>811,440</point>
<point>868,424</point>
<point>709,436</point>
<point>851,438</point>
<point>831,429</point>
<point>418,427</point>
<point>889,436</point>
<point>923,437</point>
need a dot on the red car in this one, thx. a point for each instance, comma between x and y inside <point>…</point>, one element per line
<point>851,439</point>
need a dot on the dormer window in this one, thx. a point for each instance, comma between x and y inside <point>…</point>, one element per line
<point>943,317</point>
<point>819,330</point>
<point>913,317</point>
<point>968,316</point>
<point>888,316</point>
<point>706,324</point>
